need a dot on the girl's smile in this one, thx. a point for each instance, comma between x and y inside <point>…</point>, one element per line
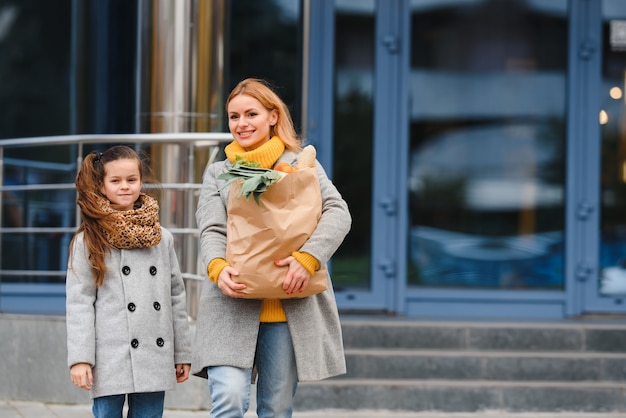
<point>122,183</point>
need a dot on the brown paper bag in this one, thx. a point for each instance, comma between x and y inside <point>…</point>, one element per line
<point>259,233</point>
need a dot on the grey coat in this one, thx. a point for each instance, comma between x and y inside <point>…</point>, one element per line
<point>227,328</point>
<point>133,329</point>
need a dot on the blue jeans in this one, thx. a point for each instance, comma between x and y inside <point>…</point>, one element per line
<point>140,405</point>
<point>276,382</point>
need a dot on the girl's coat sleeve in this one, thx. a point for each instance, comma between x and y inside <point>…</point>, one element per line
<point>182,336</point>
<point>81,294</point>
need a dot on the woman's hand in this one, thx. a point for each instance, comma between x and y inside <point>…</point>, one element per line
<point>297,278</point>
<point>227,285</point>
<point>81,375</point>
<point>182,372</point>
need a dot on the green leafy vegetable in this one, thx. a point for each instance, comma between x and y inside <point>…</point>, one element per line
<point>254,179</point>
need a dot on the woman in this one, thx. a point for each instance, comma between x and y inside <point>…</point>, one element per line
<point>283,341</point>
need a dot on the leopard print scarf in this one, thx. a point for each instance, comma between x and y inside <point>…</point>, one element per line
<point>135,228</point>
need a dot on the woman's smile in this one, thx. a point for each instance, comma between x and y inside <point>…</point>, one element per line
<point>249,122</point>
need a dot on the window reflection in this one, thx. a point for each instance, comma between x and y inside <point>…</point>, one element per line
<point>613,151</point>
<point>264,40</point>
<point>353,132</point>
<point>487,144</point>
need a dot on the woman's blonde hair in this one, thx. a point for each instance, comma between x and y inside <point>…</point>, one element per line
<point>261,90</point>
<point>89,184</point>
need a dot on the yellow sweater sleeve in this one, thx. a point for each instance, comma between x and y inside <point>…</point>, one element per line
<point>215,267</point>
<point>307,260</point>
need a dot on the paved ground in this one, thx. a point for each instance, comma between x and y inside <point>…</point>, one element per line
<point>20,409</point>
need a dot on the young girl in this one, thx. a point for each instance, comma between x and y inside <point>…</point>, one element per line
<point>284,340</point>
<point>127,327</point>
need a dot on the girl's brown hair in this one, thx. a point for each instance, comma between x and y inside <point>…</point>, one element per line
<point>260,90</point>
<point>89,185</point>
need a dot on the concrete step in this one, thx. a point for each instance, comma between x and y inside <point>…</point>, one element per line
<point>485,365</point>
<point>471,367</point>
<point>560,336</point>
<point>481,414</point>
<point>464,396</point>
<point>396,367</point>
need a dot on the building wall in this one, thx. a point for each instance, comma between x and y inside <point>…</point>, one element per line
<point>33,366</point>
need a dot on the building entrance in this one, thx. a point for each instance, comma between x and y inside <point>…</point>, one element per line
<point>463,140</point>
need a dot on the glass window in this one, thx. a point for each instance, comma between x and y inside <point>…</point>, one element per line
<point>264,40</point>
<point>67,76</point>
<point>487,144</point>
<point>34,67</point>
<point>353,136</point>
<point>35,45</point>
<point>613,150</point>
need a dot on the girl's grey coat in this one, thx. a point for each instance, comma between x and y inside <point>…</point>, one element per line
<point>133,329</point>
<point>227,328</point>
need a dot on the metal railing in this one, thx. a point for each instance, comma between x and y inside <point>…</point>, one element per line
<point>177,159</point>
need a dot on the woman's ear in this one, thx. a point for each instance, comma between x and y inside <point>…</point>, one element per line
<point>273,117</point>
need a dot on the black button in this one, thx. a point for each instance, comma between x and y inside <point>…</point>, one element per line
<point>160,342</point>
<point>157,306</point>
<point>126,270</point>
<point>134,343</point>
<point>131,307</point>
<point>153,270</point>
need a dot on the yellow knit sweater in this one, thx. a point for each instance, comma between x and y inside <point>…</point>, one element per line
<point>266,155</point>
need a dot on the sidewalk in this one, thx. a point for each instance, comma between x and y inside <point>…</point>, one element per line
<point>22,409</point>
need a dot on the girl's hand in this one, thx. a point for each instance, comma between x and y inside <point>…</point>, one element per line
<point>227,285</point>
<point>182,372</point>
<point>297,278</point>
<point>81,376</point>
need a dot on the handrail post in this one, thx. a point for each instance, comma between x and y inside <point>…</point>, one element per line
<point>79,163</point>
<point>191,252</point>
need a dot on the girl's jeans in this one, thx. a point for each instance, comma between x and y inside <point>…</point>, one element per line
<point>140,405</point>
<point>276,383</point>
